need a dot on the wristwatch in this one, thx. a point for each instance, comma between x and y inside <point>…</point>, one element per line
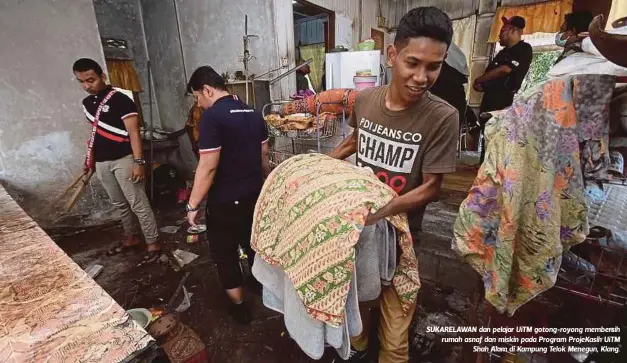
<point>188,208</point>
<point>139,161</point>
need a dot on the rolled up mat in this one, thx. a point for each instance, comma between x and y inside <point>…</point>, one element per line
<point>342,98</point>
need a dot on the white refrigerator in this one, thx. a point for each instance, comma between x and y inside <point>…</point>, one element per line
<point>341,67</point>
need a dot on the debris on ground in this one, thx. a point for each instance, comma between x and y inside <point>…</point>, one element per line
<point>186,303</point>
<point>437,320</point>
<point>193,238</point>
<point>154,284</point>
<point>197,229</point>
<point>164,258</point>
<point>170,229</point>
<point>181,344</point>
<point>442,308</point>
<point>184,257</point>
<point>94,270</point>
<point>459,301</point>
<point>156,313</point>
<point>175,267</point>
<point>142,316</point>
<point>180,286</point>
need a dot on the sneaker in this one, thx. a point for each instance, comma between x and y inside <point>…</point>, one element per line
<point>240,313</point>
<point>354,356</point>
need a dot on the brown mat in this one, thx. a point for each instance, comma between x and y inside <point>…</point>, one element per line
<point>50,310</point>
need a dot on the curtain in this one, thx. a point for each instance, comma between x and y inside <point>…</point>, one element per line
<point>464,38</point>
<point>617,11</point>
<point>543,17</point>
<point>122,74</point>
<point>464,35</point>
<point>317,53</point>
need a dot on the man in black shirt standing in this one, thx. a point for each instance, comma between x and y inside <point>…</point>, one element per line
<point>505,74</point>
<point>115,152</point>
<point>234,161</point>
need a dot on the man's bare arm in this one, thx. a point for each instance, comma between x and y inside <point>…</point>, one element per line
<point>205,172</point>
<point>265,159</point>
<point>132,126</point>
<point>346,148</point>
<point>426,193</point>
<point>496,73</point>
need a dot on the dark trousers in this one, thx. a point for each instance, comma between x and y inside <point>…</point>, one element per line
<point>229,225</point>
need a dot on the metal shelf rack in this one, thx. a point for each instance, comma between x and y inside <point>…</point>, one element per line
<point>298,139</point>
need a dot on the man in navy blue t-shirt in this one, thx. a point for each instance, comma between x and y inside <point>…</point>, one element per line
<point>234,161</point>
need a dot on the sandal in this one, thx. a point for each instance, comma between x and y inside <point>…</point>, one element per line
<point>119,248</point>
<point>151,256</point>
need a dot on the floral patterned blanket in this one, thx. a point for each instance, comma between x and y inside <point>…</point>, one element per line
<point>308,219</point>
<point>527,204</point>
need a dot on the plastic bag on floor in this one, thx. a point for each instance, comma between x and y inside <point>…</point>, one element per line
<point>184,257</point>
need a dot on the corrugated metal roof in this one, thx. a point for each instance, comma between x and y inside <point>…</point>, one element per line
<point>393,10</point>
<point>348,7</point>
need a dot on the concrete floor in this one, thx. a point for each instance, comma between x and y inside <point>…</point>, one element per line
<point>264,340</point>
<point>447,296</point>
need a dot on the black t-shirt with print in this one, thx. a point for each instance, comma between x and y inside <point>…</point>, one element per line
<point>236,131</point>
<point>111,141</point>
<point>499,93</point>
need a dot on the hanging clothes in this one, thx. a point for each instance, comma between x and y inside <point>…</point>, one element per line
<point>460,53</point>
<point>317,53</point>
<point>545,17</point>
<point>193,125</point>
<point>122,74</point>
<point>527,205</point>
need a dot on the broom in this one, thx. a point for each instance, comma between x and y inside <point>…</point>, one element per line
<point>79,184</point>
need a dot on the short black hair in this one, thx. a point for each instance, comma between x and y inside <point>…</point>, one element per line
<point>424,21</point>
<point>579,20</point>
<point>87,64</point>
<point>205,76</point>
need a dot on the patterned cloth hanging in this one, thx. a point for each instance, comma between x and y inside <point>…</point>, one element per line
<point>527,205</point>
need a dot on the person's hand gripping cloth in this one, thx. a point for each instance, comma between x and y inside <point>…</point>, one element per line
<point>307,220</point>
<point>527,205</point>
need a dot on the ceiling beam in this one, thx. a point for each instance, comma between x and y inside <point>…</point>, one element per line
<point>309,17</point>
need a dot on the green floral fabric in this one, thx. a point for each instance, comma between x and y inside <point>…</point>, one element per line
<point>538,70</point>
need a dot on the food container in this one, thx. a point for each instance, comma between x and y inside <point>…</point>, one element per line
<point>362,82</point>
<point>142,316</point>
<point>368,44</point>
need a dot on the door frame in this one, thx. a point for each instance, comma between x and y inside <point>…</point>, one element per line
<point>329,29</point>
